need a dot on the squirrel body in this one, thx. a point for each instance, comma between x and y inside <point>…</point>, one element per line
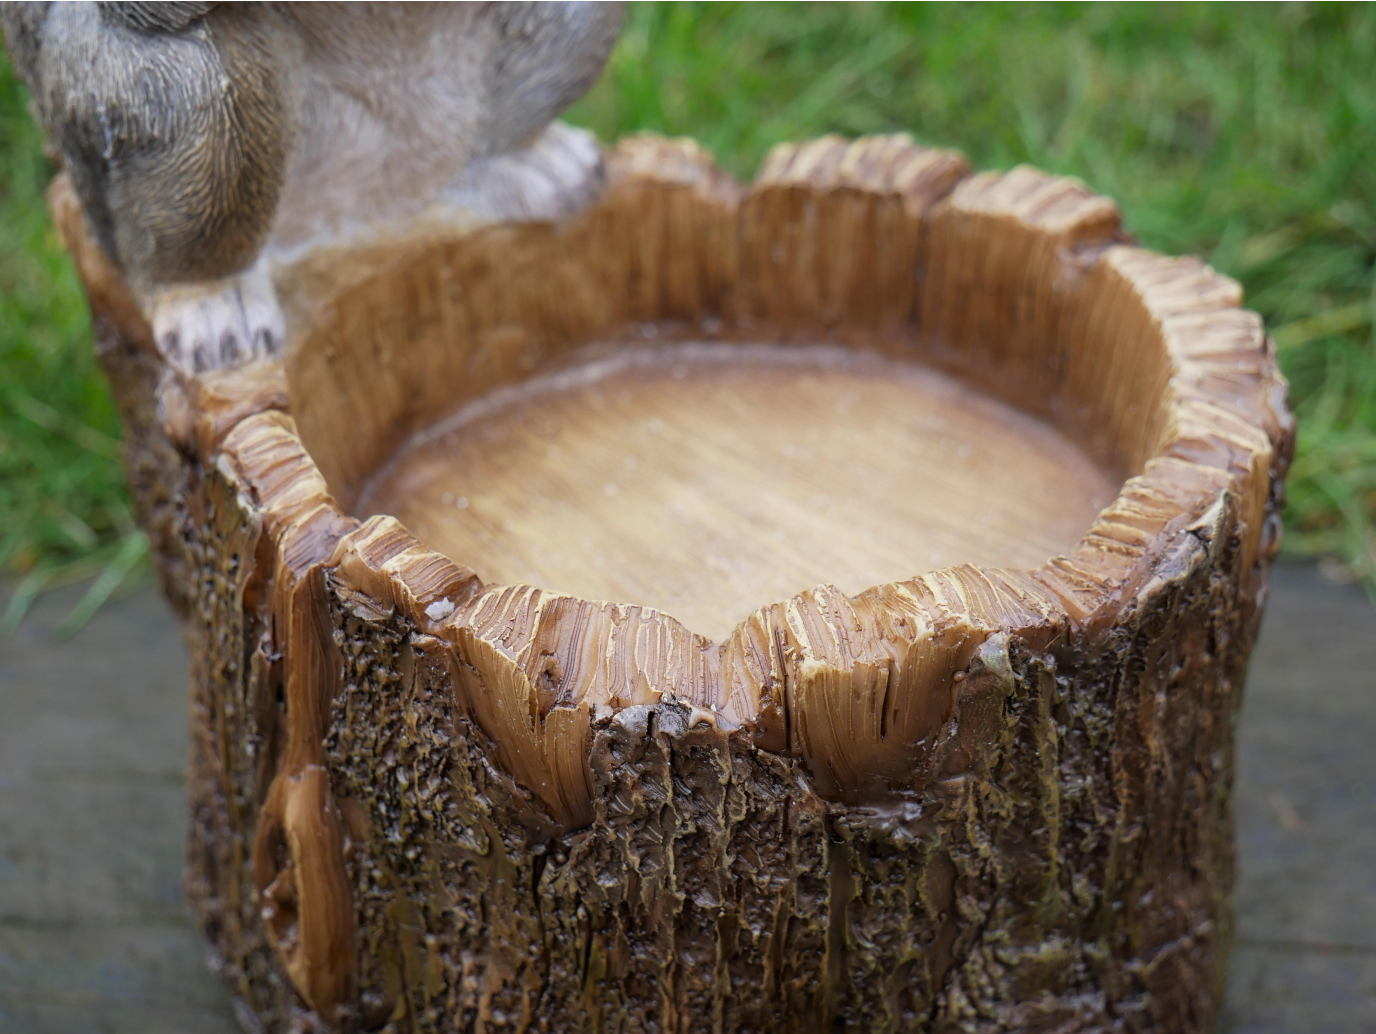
<point>207,141</point>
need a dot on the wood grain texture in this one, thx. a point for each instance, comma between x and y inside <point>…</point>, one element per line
<point>979,798</point>
<point>701,479</point>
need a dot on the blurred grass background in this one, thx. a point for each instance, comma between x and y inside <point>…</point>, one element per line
<point>1244,134</point>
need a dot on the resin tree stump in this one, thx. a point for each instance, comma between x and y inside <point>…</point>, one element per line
<point>1015,481</point>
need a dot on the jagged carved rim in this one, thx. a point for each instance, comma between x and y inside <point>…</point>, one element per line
<point>791,675</point>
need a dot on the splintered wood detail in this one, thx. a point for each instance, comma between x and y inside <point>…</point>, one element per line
<point>671,238</point>
<point>479,798</point>
<point>829,233</point>
<point>1221,425</point>
<point>298,845</point>
<point>1002,285</point>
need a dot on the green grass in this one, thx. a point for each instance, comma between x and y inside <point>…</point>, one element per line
<point>1243,134</point>
<point>64,509</point>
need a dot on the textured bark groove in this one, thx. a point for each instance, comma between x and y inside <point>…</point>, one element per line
<point>977,800</point>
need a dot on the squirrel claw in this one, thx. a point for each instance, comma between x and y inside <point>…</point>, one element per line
<point>220,324</point>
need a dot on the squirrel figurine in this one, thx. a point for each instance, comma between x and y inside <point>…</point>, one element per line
<point>208,141</point>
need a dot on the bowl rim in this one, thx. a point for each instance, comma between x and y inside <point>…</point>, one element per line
<point>1214,475</point>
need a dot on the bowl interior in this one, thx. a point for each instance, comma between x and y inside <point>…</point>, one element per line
<point>708,479</point>
<point>704,400</point>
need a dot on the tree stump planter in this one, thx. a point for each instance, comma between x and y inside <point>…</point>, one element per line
<point>984,798</point>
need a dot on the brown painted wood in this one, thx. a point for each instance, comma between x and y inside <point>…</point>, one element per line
<point>988,795</point>
<point>699,479</point>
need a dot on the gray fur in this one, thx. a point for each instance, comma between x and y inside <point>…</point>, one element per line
<point>158,17</point>
<point>205,139</point>
<point>177,140</point>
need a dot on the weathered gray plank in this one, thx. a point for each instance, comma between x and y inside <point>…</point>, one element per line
<point>1305,959</point>
<point>94,933</point>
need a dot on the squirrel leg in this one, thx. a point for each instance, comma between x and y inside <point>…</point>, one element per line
<point>176,124</point>
<point>556,174</point>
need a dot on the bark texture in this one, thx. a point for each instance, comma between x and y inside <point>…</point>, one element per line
<point>978,800</point>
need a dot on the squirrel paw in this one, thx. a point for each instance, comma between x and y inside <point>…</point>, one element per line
<point>558,173</point>
<point>220,323</point>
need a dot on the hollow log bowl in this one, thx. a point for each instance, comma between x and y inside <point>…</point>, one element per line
<point>428,796</point>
